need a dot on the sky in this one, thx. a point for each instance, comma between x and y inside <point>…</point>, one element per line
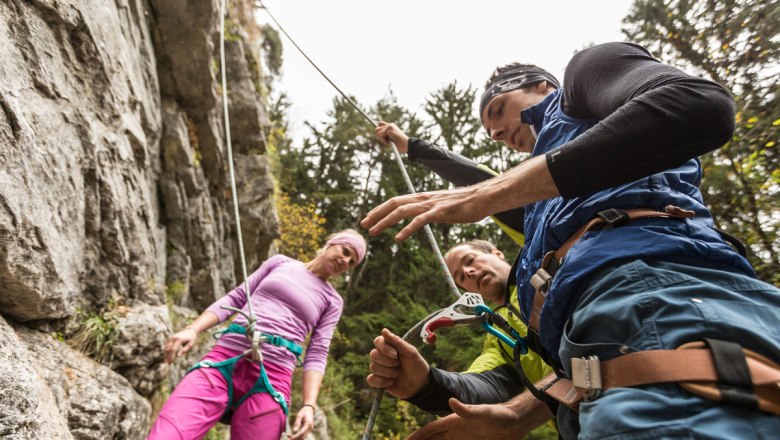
<point>415,47</point>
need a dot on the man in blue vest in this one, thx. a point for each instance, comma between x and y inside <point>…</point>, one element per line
<point>622,266</point>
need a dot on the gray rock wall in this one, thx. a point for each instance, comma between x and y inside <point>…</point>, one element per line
<point>114,202</point>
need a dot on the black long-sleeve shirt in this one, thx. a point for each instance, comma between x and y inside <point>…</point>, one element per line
<point>652,117</point>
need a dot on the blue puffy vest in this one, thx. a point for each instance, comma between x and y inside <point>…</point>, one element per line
<point>549,223</point>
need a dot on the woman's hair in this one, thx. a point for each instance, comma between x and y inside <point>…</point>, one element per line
<point>351,238</point>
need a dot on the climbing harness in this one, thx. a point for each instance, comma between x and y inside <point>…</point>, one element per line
<point>553,260</point>
<point>717,370</point>
<point>262,385</point>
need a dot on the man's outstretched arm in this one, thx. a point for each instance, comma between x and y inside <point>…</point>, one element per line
<point>653,117</point>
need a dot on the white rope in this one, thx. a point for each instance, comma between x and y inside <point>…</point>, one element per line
<point>428,233</point>
<point>252,320</point>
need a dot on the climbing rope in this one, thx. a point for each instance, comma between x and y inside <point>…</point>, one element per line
<point>250,315</point>
<point>429,234</point>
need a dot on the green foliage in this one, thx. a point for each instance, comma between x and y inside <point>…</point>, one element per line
<point>174,291</point>
<point>341,171</point>
<point>218,432</point>
<point>301,227</point>
<point>272,45</point>
<point>735,44</point>
<point>97,331</point>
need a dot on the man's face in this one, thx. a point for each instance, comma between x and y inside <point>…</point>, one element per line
<point>476,271</point>
<point>501,117</point>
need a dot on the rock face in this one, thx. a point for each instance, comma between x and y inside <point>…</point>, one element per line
<point>114,199</point>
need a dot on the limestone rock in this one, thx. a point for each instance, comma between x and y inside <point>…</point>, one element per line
<point>28,409</point>
<point>137,352</point>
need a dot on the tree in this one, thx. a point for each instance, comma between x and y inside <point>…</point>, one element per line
<point>734,43</point>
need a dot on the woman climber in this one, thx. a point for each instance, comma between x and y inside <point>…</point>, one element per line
<point>291,299</point>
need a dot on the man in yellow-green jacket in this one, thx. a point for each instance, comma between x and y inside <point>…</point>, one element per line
<point>477,266</point>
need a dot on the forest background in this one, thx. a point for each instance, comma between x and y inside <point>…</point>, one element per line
<point>340,172</point>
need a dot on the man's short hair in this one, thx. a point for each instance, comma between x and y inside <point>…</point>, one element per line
<point>483,246</point>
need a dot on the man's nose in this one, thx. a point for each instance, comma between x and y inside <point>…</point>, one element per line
<point>496,134</point>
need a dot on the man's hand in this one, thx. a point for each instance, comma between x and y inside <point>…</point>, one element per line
<point>471,422</point>
<point>453,206</point>
<point>529,182</point>
<point>397,366</point>
<point>390,132</point>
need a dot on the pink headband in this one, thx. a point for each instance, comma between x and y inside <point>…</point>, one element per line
<point>356,242</point>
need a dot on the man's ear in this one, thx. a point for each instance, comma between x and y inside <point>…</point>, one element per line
<point>499,254</point>
<point>542,87</point>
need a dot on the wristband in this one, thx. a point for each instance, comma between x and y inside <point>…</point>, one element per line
<point>313,408</point>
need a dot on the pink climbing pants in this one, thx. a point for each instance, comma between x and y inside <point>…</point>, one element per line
<point>200,399</point>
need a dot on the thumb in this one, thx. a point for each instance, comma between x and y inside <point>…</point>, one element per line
<point>466,411</point>
<point>403,348</point>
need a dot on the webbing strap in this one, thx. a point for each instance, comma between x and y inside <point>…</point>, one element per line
<point>609,218</point>
<point>691,364</point>
<point>276,340</point>
<point>262,385</point>
<point>734,382</point>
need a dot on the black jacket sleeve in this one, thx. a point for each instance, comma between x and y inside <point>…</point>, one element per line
<point>493,386</point>
<point>459,171</point>
<point>652,117</point>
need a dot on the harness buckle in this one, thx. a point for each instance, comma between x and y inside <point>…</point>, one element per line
<point>614,217</point>
<point>586,375</point>
<point>541,280</point>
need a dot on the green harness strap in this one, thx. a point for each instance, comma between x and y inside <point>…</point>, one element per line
<point>263,385</point>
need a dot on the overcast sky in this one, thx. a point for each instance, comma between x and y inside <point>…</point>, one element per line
<point>417,46</point>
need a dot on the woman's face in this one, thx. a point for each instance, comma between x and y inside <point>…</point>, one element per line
<point>338,258</point>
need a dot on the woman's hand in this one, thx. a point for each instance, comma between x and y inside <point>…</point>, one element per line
<point>390,132</point>
<point>179,344</point>
<point>304,422</point>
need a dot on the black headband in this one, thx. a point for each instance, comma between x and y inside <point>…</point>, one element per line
<point>517,78</point>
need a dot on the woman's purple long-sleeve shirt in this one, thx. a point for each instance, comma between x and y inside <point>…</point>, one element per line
<point>291,302</point>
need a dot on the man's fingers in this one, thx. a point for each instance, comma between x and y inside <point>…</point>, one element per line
<point>471,412</point>
<point>378,382</point>
<point>377,357</point>
<point>418,223</point>
<point>403,348</point>
<point>379,370</point>
<point>380,212</point>
<point>385,347</point>
<point>404,210</point>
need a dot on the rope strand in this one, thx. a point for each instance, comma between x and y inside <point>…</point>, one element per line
<point>429,234</point>
<point>252,319</point>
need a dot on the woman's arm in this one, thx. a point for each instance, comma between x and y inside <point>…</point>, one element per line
<point>304,421</point>
<point>181,342</point>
